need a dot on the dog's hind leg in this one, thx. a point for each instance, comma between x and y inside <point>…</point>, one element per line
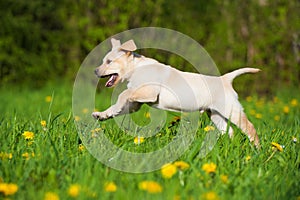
<point>221,123</point>
<point>234,112</point>
<point>240,119</point>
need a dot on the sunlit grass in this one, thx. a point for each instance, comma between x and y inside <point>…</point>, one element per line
<point>42,156</point>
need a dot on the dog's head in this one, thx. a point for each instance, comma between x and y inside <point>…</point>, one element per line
<point>117,63</point>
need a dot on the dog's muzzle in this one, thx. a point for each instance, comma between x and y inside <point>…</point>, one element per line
<point>112,78</point>
<point>111,81</point>
<point>96,72</point>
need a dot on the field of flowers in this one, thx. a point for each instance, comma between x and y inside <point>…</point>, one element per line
<point>42,156</point>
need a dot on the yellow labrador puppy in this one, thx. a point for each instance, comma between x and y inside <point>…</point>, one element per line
<point>167,88</point>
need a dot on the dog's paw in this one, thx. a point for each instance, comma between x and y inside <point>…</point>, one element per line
<point>99,116</point>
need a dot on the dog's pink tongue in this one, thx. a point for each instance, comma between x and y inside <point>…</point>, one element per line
<point>111,81</point>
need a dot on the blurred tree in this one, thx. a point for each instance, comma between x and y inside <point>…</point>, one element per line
<point>42,40</point>
<point>30,40</point>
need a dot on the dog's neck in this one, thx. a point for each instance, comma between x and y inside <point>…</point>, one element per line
<point>142,60</point>
<point>137,61</point>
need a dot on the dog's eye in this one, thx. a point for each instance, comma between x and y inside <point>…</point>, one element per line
<point>108,62</point>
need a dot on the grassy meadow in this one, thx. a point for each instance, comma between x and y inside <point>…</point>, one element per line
<point>42,157</point>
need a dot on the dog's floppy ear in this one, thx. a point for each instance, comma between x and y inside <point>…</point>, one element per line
<point>115,43</point>
<point>128,46</point>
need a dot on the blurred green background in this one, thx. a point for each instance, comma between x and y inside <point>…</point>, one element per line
<point>44,41</point>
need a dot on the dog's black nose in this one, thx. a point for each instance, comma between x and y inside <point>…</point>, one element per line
<point>96,71</point>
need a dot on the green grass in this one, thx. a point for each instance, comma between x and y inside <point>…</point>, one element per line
<point>54,161</point>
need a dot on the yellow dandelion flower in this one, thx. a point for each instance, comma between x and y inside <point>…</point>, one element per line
<point>74,190</point>
<point>150,186</point>
<point>48,99</point>
<point>249,98</point>
<point>110,187</point>
<point>168,170</point>
<point>147,115</point>
<point>277,146</point>
<point>294,102</point>
<point>181,165</point>
<point>248,158</point>
<point>286,109</point>
<point>210,196</point>
<point>43,123</point>
<point>51,196</point>
<point>258,115</point>
<point>4,155</point>
<point>77,118</point>
<point>8,188</point>
<point>138,140</point>
<point>224,178</point>
<point>260,102</point>
<point>81,147</point>
<point>27,155</point>
<point>85,110</point>
<point>28,135</point>
<point>209,167</point>
<point>96,130</point>
<point>252,112</point>
<point>276,117</point>
<point>294,139</point>
<point>209,128</point>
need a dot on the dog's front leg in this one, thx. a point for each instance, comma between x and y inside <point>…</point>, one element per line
<point>124,105</point>
<point>130,101</point>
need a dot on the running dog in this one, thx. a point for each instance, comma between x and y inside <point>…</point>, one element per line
<point>167,88</point>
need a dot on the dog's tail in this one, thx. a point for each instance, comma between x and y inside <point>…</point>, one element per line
<point>231,75</point>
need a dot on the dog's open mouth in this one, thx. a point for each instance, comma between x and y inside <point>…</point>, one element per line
<point>112,79</point>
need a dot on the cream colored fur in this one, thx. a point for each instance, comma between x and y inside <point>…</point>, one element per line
<point>167,88</point>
